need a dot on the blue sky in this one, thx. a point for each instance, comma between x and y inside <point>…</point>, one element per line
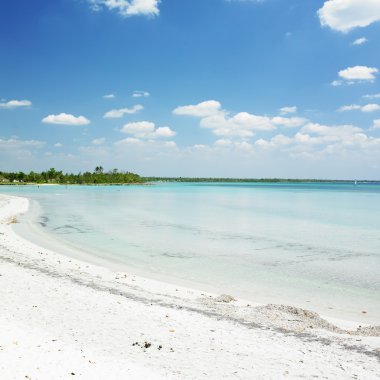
<point>239,88</point>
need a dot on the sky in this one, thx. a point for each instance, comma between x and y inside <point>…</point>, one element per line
<point>216,88</point>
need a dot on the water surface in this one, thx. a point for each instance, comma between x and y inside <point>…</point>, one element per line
<point>315,245</point>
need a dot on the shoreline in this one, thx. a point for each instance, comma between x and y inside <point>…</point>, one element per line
<point>185,322</point>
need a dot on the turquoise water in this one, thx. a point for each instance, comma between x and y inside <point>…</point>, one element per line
<point>310,244</point>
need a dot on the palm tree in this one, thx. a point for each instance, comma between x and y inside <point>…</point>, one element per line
<point>99,170</point>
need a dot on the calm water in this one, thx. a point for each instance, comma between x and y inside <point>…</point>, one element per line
<point>313,245</point>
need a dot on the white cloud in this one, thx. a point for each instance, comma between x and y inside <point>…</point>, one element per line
<point>223,143</point>
<point>118,113</point>
<point>356,74</point>
<point>244,146</point>
<point>287,110</point>
<point>344,15</point>
<point>139,129</point>
<point>371,108</point>
<point>360,41</point>
<point>128,8</point>
<point>242,124</point>
<point>201,147</point>
<point>203,109</point>
<point>275,142</point>
<point>372,96</point>
<point>128,141</point>
<point>65,119</point>
<point>58,145</point>
<point>140,94</point>
<point>15,104</point>
<point>366,108</point>
<point>376,124</point>
<point>316,141</point>
<point>289,122</point>
<point>170,144</point>
<point>109,96</point>
<point>331,131</point>
<point>164,132</point>
<point>16,144</point>
<point>147,130</point>
<point>99,141</point>
<point>351,107</point>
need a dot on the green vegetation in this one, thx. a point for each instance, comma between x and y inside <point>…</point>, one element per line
<point>236,180</point>
<point>115,177</point>
<point>52,176</point>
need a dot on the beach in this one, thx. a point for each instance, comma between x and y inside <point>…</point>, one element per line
<point>65,318</point>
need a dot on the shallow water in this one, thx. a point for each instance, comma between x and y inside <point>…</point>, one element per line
<point>315,245</point>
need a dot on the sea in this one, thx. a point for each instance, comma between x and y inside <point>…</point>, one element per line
<point>311,245</point>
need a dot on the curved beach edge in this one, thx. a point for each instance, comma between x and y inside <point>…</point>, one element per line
<point>63,317</point>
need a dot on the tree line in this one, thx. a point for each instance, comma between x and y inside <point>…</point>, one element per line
<point>235,180</point>
<point>98,176</point>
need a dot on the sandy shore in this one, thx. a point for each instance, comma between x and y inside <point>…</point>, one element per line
<point>63,318</point>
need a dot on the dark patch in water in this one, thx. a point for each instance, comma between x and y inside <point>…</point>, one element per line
<point>68,229</point>
<point>43,221</point>
<point>177,255</point>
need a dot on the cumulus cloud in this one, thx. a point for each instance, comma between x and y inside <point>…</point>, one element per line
<point>203,109</point>
<point>65,119</point>
<point>334,131</point>
<point>287,110</point>
<point>109,96</point>
<point>154,146</point>
<point>316,141</point>
<point>356,74</point>
<point>371,108</point>
<point>147,130</point>
<point>128,141</point>
<point>15,104</point>
<point>360,41</point>
<point>350,107</point>
<point>359,73</point>
<point>223,143</point>
<point>275,142</point>
<point>289,122</point>
<point>58,145</point>
<point>242,145</point>
<point>164,132</point>
<point>376,124</point>
<point>170,144</point>
<point>118,113</point>
<point>140,94</point>
<point>16,144</point>
<point>127,8</point>
<point>372,96</point>
<point>242,124</point>
<point>338,138</point>
<point>366,108</point>
<point>344,15</point>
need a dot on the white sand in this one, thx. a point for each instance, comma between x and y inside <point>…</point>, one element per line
<point>62,318</point>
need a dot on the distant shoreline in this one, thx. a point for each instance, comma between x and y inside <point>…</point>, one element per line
<point>148,180</point>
